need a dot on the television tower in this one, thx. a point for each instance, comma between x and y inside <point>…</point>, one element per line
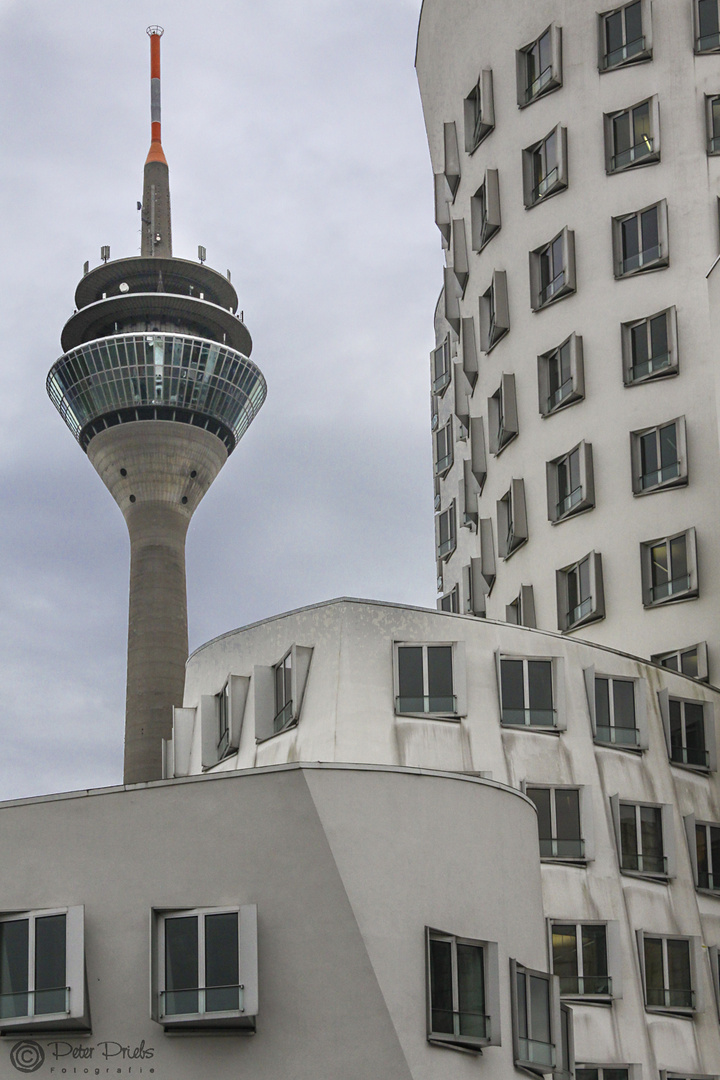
<point>156,385</point>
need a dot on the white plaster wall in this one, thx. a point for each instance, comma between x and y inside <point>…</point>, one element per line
<point>457,39</point>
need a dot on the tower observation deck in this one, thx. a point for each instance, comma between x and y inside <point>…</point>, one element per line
<point>156,385</point>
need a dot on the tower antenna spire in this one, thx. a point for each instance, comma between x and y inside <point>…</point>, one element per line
<point>156,230</point>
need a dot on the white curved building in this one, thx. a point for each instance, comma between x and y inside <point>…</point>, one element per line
<point>575,152</point>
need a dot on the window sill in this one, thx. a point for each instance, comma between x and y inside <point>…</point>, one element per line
<point>662,1010</point>
<point>648,268</point>
<point>549,88</point>
<point>240,1025</point>
<point>461,1048</point>
<point>642,875</point>
<point>714,893</point>
<point>535,729</point>
<point>627,747</point>
<point>556,188</point>
<point>275,734</point>
<point>638,58</point>
<point>581,508</point>
<point>662,373</point>
<point>507,442</point>
<point>668,485</point>
<point>561,294</point>
<point>639,163</point>
<point>453,718</point>
<point>701,770</point>
<point>498,337</point>
<point>676,598</point>
<point>557,860</point>
<point>594,616</point>
<point>604,1001</point>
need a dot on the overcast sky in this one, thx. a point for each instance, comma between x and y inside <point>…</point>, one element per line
<point>298,158</point>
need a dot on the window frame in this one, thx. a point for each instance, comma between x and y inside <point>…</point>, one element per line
<point>680,480</point>
<point>451,158</point>
<point>635,58</point>
<point>494,312</point>
<point>586,840</point>
<point>76,1015</point>
<point>660,261</point>
<point>709,730</point>
<point>503,426</point>
<point>459,680</point>
<point>550,78</point>
<point>666,370</point>
<point>586,498</point>
<point>521,610</point>
<point>713,141</point>
<point>557,687</point>
<point>485,217</point>
<point>491,987</point>
<point>445,548</point>
<point>443,464</point>
<point>690,591</point>
<point>613,958</point>
<point>532,195</point>
<point>577,376</point>
<point>701,656</point>
<point>440,382</point>
<point>243,1017</point>
<point>263,679</point>
<point>540,297</point>
<point>555,1064</point>
<point>694,965</point>
<point>667,839</point>
<point>590,675</point>
<point>512,524</point>
<point>452,599</point>
<point>708,51</point>
<point>634,1072</point>
<point>596,609</point>
<point>635,161</point>
<point>692,824</point>
<point>479,112</point>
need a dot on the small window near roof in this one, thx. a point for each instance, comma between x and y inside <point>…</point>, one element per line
<point>649,347</point>
<point>552,270</point>
<point>580,594</point>
<point>570,484</point>
<point>223,714</point>
<point>521,611</point>
<point>707,26</point>
<point>615,718</point>
<point>690,661</point>
<point>623,37</point>
<point>632,136</point>
<point>659,457</point>
<point>485,210</point>
<point>669,569</point>
<point>429,679</point>
<point>479,112</point>
<point>689,727</point>
<point>640,240</point>
<point>527,697</point>
<point>559,823</point>
<point>545,167</point>
<point>462,991</point>
<point>539,66</point>
<point>450,601</point>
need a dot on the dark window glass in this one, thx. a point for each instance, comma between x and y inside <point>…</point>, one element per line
<point>181,965</point>
<point>471,990</point>
<point>689,663</point>
<point>559,375</point>
<point>565,957</point>
<point>14,943</point>
<point>221,962</point>
<point>708,24</point>
<point>410,672</point>
<point>50,940</point>
<point>440,679</point>
<point>567,803</point>
<point>541,798</point>
<point>651,839</point>
<point>540,689</point>
<point>441,995</point>
<point>624,702</point>
<point>539,1009</point>
<point>679,980</point>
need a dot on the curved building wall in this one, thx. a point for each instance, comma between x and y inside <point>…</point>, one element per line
<point>345,656</point>
<point>457,41</point>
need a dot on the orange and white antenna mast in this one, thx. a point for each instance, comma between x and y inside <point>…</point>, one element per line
<point>156,226</point>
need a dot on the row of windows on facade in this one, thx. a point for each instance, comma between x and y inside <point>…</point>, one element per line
<point>464,992</point>
<point>624,38</point>
<point>204,964</point>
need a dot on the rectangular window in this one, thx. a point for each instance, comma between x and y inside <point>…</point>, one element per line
<point>650,347</point>
<point>445,526</point>
<point>615,719</point>
<point>479,112</point>
<point>539,66</point>
<point>494,313</point>
<point>570,483</point>
<point>485,210</point>
<point>669,568</point>
<point>440,358</point>
<point>223,715</point>
<point>521,611</point>
<point>707,26</point>
<point>552,270</point>
<point>526,693</point>
<point>452,157</point>
<point>687,733</point>
<point>642,850</point>
<point>667,973</point>
<point>603,1072</point>
<point>545,167</point>
<point>558,822</point>
<point>457,991</point>
<point>580,959</point>
<point>640,240</point>
<point>621,37</point>
<point>561,377</point>
<point>502,415</point>
<point>707,848</point>
<point>580,593</point>
<point>443,449</point>
<point>659,457</point>
<point>512,520</point>
<point>538,1032</point>
<point>450,601</point>
<point>690,661</point>
<point>42,970</point>
<point>424,679</point>
<point>207,967</point>
<point>283,694</point>
<point>632,136</point>
<point>712,113</point>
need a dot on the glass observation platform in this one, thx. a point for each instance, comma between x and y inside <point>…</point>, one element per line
<point>156,376</point>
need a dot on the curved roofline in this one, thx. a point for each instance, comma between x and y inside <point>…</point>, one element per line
<point>445,615</point>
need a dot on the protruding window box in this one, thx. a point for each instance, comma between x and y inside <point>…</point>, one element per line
<point>625,35</point>
<point>430,679</point>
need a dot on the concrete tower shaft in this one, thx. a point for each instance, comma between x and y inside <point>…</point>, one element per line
<point>157,386</point>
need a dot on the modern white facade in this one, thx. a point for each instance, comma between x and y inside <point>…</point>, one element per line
<point>626,809</point>
<point>575,152</point>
